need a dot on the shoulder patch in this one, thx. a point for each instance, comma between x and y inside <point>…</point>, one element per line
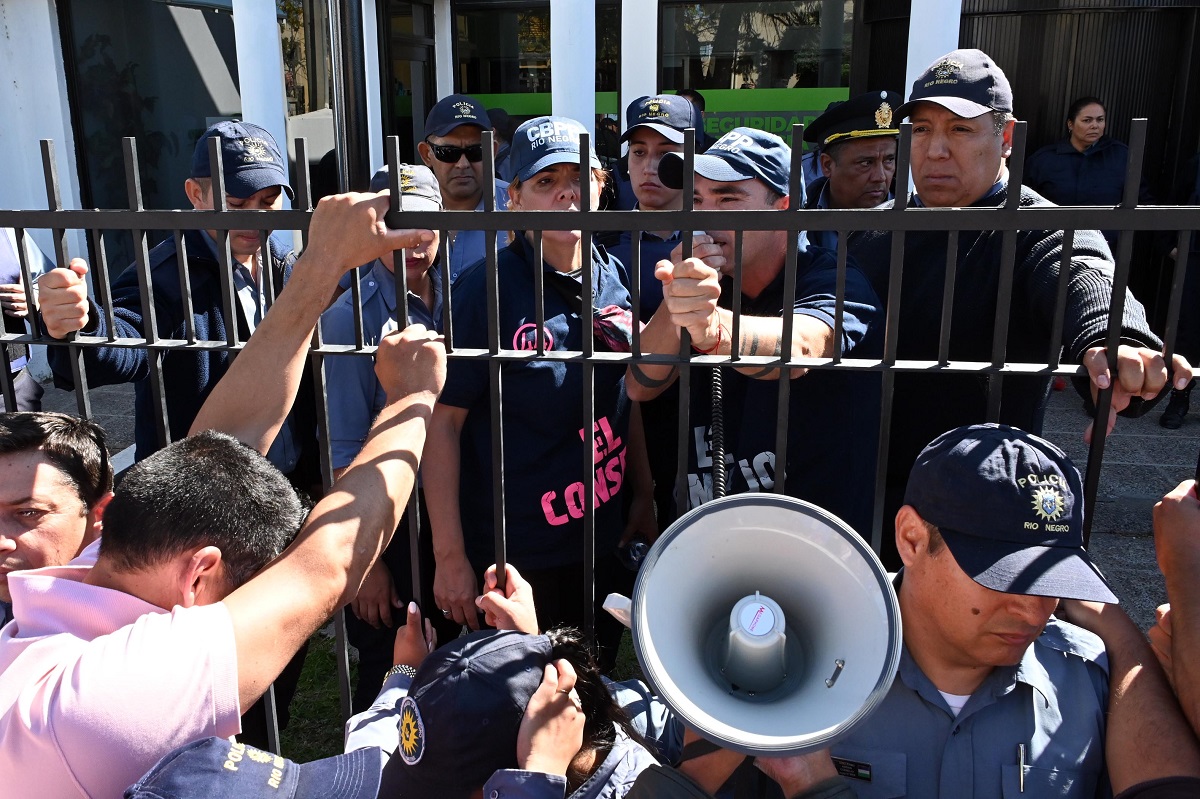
<point>412,732</point>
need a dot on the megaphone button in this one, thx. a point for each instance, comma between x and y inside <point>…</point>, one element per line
<point>757,619</point>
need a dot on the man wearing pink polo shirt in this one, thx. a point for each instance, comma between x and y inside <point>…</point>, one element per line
<point>177,626</point>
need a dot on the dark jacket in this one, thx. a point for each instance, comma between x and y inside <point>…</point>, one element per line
<point>188,375</point>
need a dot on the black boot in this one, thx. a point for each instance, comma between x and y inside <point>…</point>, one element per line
<point>1177,408</point>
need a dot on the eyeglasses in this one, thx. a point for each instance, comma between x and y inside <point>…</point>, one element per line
<point>449,154</point>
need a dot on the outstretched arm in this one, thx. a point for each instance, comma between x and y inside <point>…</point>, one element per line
<point>346,230</point>
<point>1177,542</point>
<point>278,609</point>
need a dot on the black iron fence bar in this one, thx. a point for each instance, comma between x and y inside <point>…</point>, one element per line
<point>947,327</point>
<point>589,393</point>
<point>141,251</point>
<point>103,285</point>
<point>83,400</point>
<point>189,322</point>
<point>1182,247</point>
<point>495,367</point>
<point>687,226</point>
<point>224,254</point>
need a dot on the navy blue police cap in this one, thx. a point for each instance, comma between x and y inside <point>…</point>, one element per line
<point>543,142</point>
<point>966,82</point>
<point>250,159</point>
<point>1009,506</point>
<point>741,154</point>
<point>460,720</point>
<point>217,768</point>
<point>454,110</point>
<point>865,116</point>
<point>668,114</point>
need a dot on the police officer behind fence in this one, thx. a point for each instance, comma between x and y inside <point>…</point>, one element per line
<point>857,141</point>
<point>962,127</point>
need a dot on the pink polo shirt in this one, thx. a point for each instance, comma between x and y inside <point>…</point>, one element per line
<point>97,685</point>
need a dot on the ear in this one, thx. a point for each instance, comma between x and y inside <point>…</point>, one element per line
<point>826,162</point>
<point>514,197</point>
<point>202,578</point>
<point>912,536</point>
<point>782,203</point>
<point>1007,144</point>
<point>95,520</point>
<point>426,153</point>
<point>197,196</point>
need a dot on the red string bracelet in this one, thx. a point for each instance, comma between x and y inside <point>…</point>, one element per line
<point>714,347</point>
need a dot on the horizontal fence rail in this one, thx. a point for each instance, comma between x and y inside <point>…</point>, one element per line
<point>900,219</point>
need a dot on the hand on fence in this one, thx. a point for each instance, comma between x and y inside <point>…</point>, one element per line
<point>64,299</point>
<point>411,646</point>
<point>12,300</point>
<point>347,230</point>
<point>411,361</point>
<point>1177,533</point>
<point>551,732</point>
<point>798,773</point>
<point>376,597</point>
<point>512,610</point>
<point>690,290</point>
<point>454,590</point>
<point>1141,372</point>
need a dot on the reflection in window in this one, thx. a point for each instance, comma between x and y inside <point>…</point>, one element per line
<point>765,45</point>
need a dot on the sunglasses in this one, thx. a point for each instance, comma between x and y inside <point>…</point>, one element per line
<point>449,154</point>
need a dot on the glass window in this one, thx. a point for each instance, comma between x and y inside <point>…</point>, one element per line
<point>503,50</point>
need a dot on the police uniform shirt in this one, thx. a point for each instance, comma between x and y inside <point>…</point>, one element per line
<point>653,249</point>
<point>465,247</point>
<point>355,396</point>
<point>249,297</point>
<point>543,420</point>
<point>1052,703</point>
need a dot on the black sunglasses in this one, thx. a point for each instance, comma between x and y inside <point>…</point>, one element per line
<point>449,154</point>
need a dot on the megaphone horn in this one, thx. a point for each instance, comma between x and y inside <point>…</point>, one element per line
<point>765,623</point>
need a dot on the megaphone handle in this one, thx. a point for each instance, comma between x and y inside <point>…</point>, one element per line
<point>718,433</point>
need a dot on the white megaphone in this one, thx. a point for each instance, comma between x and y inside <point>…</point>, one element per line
<point>765,623</point>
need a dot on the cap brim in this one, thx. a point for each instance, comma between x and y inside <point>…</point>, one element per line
<point>671,134</point>
<point>957,105</point>
<point>550,159</point>
<point>354,775</point>
<point>410,202</point>
<point>670,170</point>
<point>1060,572</point>
<point>247,182</point>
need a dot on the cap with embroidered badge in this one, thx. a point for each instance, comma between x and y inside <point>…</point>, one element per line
<point>250,159</point>
<point>454,110</point>
<point>1009,506</point>
<point>217,768</point>
<point>741,154</point>
<point>967,82</point>
<point>460,720</point>
<point>865,116</point>
<point>419,189</point>
<point>668,114</point>
<point>545,141</point>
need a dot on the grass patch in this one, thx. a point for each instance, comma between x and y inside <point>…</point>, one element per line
<point>317,727</point>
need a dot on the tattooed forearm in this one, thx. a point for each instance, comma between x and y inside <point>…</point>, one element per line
<point>762,343</point>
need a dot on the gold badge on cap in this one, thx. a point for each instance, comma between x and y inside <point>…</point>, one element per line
<point>412,732</point>
<point>1048,503</point>
<point>883,116</point>
<point>945,68</point>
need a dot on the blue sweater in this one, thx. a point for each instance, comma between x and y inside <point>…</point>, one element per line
<point>188,375</point>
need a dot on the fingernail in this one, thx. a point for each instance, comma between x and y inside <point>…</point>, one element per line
<point>1181,384</point>
<point>412,607</point>
<point>1102,381</point>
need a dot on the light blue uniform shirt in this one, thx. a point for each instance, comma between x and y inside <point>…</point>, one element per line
<point>468,246</point>
<point>355,397</point>
<point>1053,702</point>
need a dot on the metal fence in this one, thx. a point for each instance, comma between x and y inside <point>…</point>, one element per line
<point>900,219</point>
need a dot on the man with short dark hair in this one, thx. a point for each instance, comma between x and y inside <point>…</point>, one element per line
<point>453,149</point>
<point>962,127</point>
<point>830,439</point>
<point>255,173</point>
<point>106,668</point>
<point>857,141</point>
<point>55,481</point>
